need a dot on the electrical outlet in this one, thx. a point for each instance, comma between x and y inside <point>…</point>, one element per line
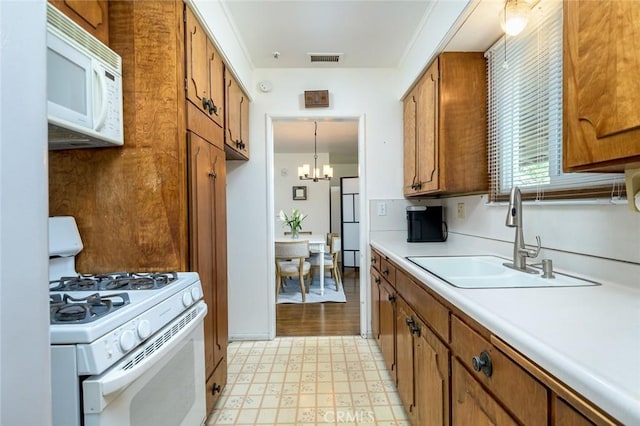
<point>382,209</point>
<point>461,211</point>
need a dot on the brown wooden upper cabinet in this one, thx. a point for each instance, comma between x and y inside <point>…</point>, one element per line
<point>92,15</point>
<point>445,141</point>
<point>236,135</point>
<point>205,71</point>
<point>601,85</point>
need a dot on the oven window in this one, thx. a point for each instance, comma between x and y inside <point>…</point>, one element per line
<point>149,407</point>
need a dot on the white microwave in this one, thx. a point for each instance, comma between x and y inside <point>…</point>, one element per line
<point>84,87</point>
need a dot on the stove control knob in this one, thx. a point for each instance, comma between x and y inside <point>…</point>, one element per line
<point>144,329</point>
<point>187,300</point>
<point>127,340</point>
<point>195,293</point>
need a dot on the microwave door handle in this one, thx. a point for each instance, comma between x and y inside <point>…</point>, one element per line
<point>102,87</point>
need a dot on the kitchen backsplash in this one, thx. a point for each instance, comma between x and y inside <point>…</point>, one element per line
<point>597,240</point>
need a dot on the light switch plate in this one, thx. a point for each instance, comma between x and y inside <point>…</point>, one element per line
<point>461,211</point>
<point>382,209</point>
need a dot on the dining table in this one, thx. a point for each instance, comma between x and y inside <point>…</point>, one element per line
<point>317,244</point>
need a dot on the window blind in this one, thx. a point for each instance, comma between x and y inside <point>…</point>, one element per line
<point>524,75</point>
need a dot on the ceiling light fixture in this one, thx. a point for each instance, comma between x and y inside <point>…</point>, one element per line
<point>514,16</point>
<point>304,171</point>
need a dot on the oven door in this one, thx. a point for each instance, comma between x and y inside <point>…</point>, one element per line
<point>161,383</point>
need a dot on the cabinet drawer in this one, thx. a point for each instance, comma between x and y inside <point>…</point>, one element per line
<point>388,270</point>
<point>375,259</point>
<point>519,392</point>
<point>567,415</point>
<point>425,305</point>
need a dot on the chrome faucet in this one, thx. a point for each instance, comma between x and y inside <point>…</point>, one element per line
<point>514,220</point>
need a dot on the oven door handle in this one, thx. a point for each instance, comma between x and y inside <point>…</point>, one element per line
<point>118,377</point>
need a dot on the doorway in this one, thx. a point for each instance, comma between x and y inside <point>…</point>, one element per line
<point>334,141</point>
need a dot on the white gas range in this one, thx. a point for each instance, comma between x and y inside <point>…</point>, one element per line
<point>126,348</point>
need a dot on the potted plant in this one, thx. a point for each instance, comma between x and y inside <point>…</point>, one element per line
<point>294,222</point>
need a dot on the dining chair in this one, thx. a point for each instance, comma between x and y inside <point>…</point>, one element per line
<point>330,260</point>
<point>290,257</point>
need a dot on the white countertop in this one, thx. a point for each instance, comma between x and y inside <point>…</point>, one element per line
<point>587,337</point>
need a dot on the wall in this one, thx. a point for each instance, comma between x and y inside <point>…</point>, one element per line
<point>316,206</point>
<point>214,17</point>
<point>250,230</point>
<point>343,170</point>
<point>25,396</point>
<point>429,41</point>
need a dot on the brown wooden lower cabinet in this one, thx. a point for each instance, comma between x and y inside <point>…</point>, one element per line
<point>422,365</point>
<point>518,391</point>
<point>215,383</point>
<point>207,206</point>
<point>431,371</point>
<point>439,359</point>
<point>375,303</point>
<point>566,415</point>
<point>387,339</point>
<point>405,320</point>
<point>471,404</point>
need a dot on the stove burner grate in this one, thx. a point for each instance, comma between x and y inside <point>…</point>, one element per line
<point>114,281</point>
<point>64,309</point>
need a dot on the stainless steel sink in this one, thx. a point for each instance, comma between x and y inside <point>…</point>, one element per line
<point>489,272</point>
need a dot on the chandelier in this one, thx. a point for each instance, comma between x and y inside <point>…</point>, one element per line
<point>305,172</point>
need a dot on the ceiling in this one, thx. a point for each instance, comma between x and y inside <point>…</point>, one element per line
<point>366,34</point>
<point>371,33</point>
<point>338,137</point>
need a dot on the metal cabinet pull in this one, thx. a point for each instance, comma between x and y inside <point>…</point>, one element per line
<point>483,363</point>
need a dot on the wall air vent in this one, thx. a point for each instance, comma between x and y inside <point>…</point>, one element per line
<point>325,57</point>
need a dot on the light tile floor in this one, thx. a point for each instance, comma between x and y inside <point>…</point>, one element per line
<point>340,380</point>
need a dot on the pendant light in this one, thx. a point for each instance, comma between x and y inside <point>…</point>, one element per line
<point>514,16</point>
<point>305,172</point>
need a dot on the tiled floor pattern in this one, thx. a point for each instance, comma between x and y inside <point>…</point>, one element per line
<point>339,380</point>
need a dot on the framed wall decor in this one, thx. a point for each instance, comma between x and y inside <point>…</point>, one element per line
<point>299,192</point>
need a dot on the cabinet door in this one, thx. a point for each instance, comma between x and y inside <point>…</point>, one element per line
<point>207,210</point>
<point>405,320</point>
<point>421,135</point>
<point>201,212</point>
<point>431,377</point>
<point>220,253</point>
<point>601,86</point>
<point>197,63</point>
<point>427,134</point>
<point>244,125</point>
<point>92,15</point>
<point>233,113</point>
<point>216,84</point>
<point>471,404</point>
<point>376,280</point>
<point>410,137</point>
<point>388,326</point>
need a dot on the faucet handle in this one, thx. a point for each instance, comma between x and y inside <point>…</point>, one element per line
<point>533,252</point>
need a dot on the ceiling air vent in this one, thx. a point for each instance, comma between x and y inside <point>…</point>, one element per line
<point>325,57</point>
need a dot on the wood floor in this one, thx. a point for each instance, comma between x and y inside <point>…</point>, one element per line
<point>323,319</point>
